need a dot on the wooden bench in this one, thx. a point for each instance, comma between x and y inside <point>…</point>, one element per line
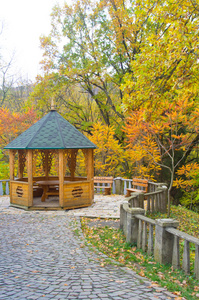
<point>102,181</point>
<point>138,185</point>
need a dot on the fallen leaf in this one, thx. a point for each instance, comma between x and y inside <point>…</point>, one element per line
<point>177,293</point>
<point>141,273</point>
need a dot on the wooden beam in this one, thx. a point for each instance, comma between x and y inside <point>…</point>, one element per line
<point>30,176</point>
<point>21,162</point>
<point>12,163</point>
<point>73,163</point>
<point>12,167</point>
<point>46,165</point>
<point>61,177</point>
<point>90,171</point>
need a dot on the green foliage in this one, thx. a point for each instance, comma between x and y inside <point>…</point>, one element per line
<point>188,220</point>
<point>4,167</point>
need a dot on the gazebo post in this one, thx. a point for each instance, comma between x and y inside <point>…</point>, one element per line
<point>20,163</point>
<point>30,176</point>
<point>11,163</point>
<point>73,164</point>
<point>46,165</point>
<point>61,177</point>
<point>90,171</point>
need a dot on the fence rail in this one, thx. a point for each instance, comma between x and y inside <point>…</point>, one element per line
<point>152,202</point>
<point>157,201</point>
<point>160,238</point>
<point>144,243</point>
<point>4,187</point>
<point>177,234</point>
<point>121,184</point>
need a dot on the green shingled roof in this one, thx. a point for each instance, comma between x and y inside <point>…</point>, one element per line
<point>51,132</point>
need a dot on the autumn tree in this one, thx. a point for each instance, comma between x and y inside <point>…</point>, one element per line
<point>165,137</point>
<point>12,124</point>
<point>161,95</point>
<point>91,46</point>
<point>109,155</point>
<point>73,103</point>
<point>188,181</point>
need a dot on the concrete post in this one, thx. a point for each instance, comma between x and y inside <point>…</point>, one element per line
<point>132,224</point>
<point>118,186</point>
<point>122,216</point>
<point>164,240</point>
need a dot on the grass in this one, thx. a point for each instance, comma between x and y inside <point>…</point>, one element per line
<point>112,242</point>
<point>188,220</point>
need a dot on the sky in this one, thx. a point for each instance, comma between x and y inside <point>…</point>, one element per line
<point>24,21</point>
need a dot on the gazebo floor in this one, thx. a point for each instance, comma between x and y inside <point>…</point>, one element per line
<point>52,203</point>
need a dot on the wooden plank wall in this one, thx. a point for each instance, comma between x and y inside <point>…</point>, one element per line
<point>19,191</point>
<point>77,194</point>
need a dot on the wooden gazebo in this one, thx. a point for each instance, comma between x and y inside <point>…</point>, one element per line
<point>56,142</point>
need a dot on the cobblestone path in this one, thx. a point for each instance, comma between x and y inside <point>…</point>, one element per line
<point>41,257</point>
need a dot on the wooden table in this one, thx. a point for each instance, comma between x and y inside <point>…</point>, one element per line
<point>45,184</point>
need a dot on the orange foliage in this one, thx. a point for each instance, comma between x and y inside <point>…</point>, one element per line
<point>13,124</point>
<point>159,135</point>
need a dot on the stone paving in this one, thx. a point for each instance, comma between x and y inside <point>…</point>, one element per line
<point>43,256</point>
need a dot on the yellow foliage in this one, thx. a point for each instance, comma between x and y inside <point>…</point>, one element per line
<point>109,155</point>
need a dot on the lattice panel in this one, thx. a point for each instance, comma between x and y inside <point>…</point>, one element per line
<point>21,160</point>
<point>72,158</point>
<point>55,161</point>
<point>66,154</point>
<point>85,152</point>
<point>36,154</point>
<point>46,155</point>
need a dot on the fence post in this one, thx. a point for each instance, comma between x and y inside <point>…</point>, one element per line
<point>118,186</point>
<point>1,188</point>
<point>165,201</point>
<point>164,240</point>
<point>129,223</point>
<point>122,217</point>
<point>7,188</point>
<point>196,265</point>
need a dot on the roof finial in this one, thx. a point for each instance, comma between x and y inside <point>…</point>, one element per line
<point>52,104</point>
